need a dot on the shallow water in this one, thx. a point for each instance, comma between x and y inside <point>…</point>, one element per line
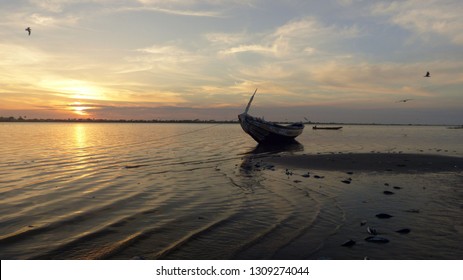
<point>204,191</point>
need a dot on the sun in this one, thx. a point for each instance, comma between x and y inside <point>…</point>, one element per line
<point>79,109</point>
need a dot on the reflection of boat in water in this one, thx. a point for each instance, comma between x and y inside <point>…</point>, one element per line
<point>254,160</point>
<point>262,149</point>
<point>327,127</point>
<point>268,132</point>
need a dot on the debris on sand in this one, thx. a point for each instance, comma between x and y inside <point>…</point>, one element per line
<point>383,216</point>
<point>348,243</point>
<point>347,181</point>
<point>377,239</point>
<point>403,231</point>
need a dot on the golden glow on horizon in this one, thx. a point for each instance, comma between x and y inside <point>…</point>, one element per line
<point>76,89</point>
<point>79,110</point>
<point>322,60</point>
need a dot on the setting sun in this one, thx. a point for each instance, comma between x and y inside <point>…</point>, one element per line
<point>79,109</point>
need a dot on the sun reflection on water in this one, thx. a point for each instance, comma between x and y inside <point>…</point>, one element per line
<point>80,136</point>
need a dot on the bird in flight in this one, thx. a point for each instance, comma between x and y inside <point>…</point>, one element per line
<point>404,100</point>
<point>28,30</point>
<point>427,75</point>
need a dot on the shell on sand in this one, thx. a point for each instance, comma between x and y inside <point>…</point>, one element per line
<point>371,231</point>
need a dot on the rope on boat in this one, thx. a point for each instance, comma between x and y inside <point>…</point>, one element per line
<point>172,136</point>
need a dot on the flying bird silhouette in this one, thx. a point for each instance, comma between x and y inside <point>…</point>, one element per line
<point>28,30</point>
<point>403,100</point>
<point>427,75</point>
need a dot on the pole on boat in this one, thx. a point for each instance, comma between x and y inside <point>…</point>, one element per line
<point>249,104</point>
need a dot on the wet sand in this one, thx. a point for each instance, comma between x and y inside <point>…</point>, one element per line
<point>372,162</point>
<point>385,205</point>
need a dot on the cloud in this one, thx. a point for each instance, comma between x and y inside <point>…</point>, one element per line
<point>173,7</point>
<point>226,38</point>
<point>53,21</point>
<point>17,55</point>
<point>424,18</point>
<point>178,12</point>
<point>250,48</point>
<point>296,37</point>
<point>60,6</point>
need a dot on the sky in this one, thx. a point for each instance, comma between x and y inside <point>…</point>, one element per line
<point>323,61</point>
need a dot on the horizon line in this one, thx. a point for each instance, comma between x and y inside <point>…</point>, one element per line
<point>234,121</point>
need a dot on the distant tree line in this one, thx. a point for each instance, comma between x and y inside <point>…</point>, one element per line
<point>90,120</point>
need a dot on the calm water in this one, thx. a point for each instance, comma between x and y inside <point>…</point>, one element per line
<point>196,191</point>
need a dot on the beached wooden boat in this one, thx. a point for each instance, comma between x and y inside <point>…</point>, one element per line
<point>266,132</point>
<point>327,127</point>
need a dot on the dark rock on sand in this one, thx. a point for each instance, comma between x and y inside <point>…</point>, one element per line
<point>403,231</point>
<point>348,243</point>
<point>388,192</point>
<point>383,216</point>
<point>377,239</point>
<point>397,188</point>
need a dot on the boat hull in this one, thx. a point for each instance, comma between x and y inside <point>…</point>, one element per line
<point>265,132</point>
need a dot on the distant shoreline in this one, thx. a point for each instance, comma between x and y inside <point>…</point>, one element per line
<point>88,120</point>
<point>12,119</point>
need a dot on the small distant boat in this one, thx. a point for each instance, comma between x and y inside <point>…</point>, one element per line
<point>456,127</point>
<point>265,132</point>
<point>327,127</point>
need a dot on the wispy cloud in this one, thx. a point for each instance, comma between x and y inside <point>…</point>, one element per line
<point>189,8</point>
<point>425,18</point>
<point>297,37</point>
<point>178,12</point>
